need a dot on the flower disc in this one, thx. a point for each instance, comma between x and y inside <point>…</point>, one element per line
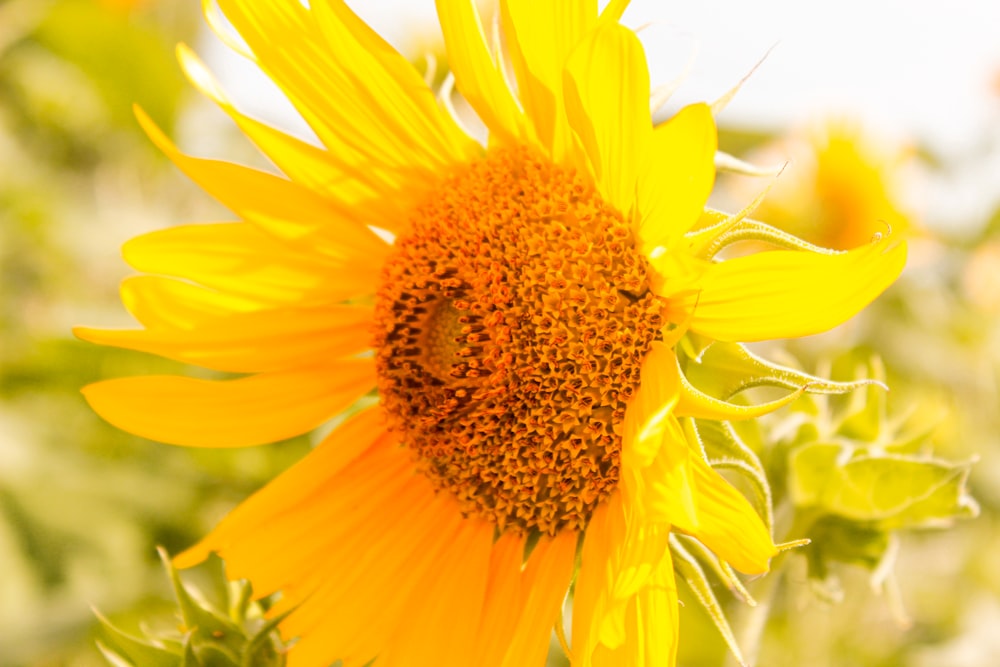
<point>511,324</point>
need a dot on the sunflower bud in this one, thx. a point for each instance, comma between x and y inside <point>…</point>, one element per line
<point>237,636</point>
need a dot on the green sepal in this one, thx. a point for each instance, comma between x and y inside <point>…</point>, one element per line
<point>136,651</point>
<point>725,369</point>
<point>693,345</point>
<point>706,241</point>
<point>688,568</point>
<point>113,658</point>
<point>260,649</point>
<point>719,567</point>
<point>204,625</point>
<point>753,230</point>
<point>190,659</point>
<point>866,416</point>
<point>210,654</point>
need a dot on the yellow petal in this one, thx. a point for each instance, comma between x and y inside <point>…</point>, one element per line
<point>165,303</point>
<point>623,554</point>
<point>785,294</point>
<point>321,521</point>
<point>655,475</point>
<point>297,484</point>
<point>329,174</point>
<point>379,480</point>
<point>398,97</point>
<point>266,340</point>
<point>278,206</point>
<point>241,261</point>
<point>651,406</point>
<point>677,177</point>
<point>445,609</point>
<point>232,413</point>
<point>359,95</point>
<point>546,581</point>
<point>614,10</point>
<point>676,276</point>
<point>602,540</point>
<point>607,102</point>
<point>540,37</point>
<point>504,598</point>
<point>477,76</point>
<point>728,524</point>
<point>664,491</point>
<point>366,581</point>
<point>651,625</point>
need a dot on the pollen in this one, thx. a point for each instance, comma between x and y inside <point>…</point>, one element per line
<point>511,323</point>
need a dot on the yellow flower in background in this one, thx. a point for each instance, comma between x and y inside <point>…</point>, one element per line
<point>517,325</point>
<point>840,189</point>
<point>980,280</point>
<point>122,5</point>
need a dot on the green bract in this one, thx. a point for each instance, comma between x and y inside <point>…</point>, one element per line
<point>238,637</point>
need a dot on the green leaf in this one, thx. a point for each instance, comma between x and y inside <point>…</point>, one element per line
<point>128,63</point>
<point>834,539</point>
<point>890,491</point>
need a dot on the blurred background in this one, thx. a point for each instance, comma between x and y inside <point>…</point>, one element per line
<point>887,113</point>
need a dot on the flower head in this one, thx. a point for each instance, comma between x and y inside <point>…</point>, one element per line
<point>841,189</point>
<point>519,329</point>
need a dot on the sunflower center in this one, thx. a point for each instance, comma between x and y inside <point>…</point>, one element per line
<point>511,323</point>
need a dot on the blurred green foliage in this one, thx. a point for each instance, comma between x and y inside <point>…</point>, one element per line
<point>82,505</point>
<point>126,62</point>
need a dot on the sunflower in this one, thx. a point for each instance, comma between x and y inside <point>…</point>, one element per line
<point>517,308</point>
<point>844,188</point>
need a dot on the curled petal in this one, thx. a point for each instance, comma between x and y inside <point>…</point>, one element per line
<point>786,294</point>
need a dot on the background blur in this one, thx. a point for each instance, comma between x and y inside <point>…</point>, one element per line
<point>887,112</point>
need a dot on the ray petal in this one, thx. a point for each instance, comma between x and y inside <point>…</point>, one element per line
<point>239,260</point>
<point>541,37</point>
<point>278,206</point>
<point>231,413</point>
<point>678,176</point>
<point>785,294</point>
<point>606,84</point>
<point>477,76</point>
<point>382,111</point>
<point>264,340</point>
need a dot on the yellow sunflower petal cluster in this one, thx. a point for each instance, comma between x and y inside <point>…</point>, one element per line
<point>519,328</point>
